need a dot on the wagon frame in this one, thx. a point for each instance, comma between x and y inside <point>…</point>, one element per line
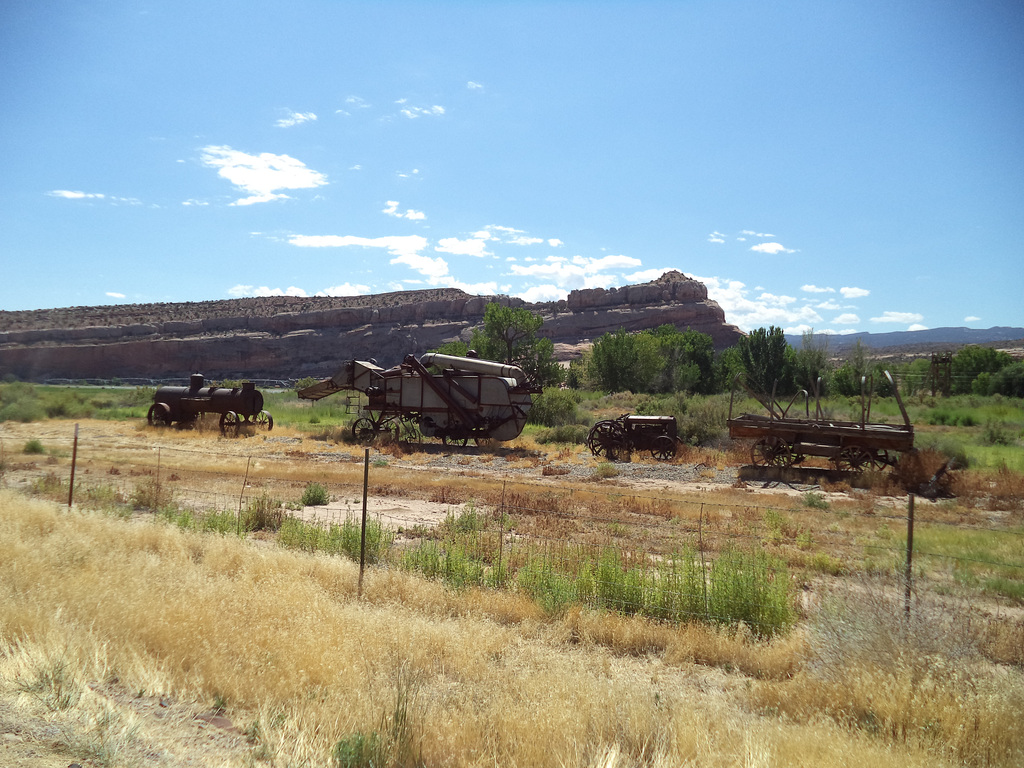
<point>781,440</point>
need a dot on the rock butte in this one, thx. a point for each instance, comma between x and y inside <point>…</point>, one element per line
<point>287,337</point>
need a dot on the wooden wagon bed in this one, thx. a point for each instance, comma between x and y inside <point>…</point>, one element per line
<point>781,440</point>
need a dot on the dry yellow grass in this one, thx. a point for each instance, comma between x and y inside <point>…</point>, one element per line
<point>462,679</point>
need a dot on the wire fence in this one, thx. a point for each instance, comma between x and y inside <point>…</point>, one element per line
<point>651,553</point>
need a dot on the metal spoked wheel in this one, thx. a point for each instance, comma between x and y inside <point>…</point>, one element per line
<point>264,420</point>
<point>771,452</point>
<point>159,415</point>
<point>854,458</point>
<point>606,438</point>
<point>664,448</point>
<point>364,430</point>
<point>229,423</point>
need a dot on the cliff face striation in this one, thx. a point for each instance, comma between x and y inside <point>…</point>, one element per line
<point>292,337</point>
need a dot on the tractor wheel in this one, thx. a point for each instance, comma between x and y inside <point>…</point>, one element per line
<point>664,448</point>
<point>606,438</point>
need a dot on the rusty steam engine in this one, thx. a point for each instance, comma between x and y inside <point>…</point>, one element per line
<point>237,406</point>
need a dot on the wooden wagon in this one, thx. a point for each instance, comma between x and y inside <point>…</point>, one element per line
<point>781,440</point>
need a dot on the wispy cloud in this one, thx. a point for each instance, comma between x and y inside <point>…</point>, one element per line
<point>68,194</point>
<point>115,295</point>
<point>716,237</point>
<point>243,291</point>
<point>766,309</point>
<point>848,318</point>
<point>473,246</point>
<point>771,248</point>
<point>345,289</point>
<point>578,272</point>
<point>392,210</point>
<point>854,293</point>
<point>295,118</point>
<point>260,175</point>
<point>752,233</point>
<point>413,112</point>
<point>474,86</point>
<point>898,317</point>
<point>971,319</point>
<point>816,289</point>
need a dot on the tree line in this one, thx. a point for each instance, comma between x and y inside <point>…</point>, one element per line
<point>665,359</point>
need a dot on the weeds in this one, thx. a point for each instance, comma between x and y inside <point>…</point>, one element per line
<point>315,495</point>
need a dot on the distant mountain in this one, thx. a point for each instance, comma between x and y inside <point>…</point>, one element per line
<point>930,340</point>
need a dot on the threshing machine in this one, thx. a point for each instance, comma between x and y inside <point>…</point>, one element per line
<point>237,406</point>
<point>470,399</point>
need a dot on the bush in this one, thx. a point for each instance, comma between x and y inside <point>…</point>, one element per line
<point>262,514</point>
<point>554,407</point>
<point>33,447</point>
<point>315,495</point>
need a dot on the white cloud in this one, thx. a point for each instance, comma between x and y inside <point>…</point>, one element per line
<point>345,289</point>
<point>646,275</point>
<point>847,318</point>
<point>260,175</point>
<point>779,301</point>
<point>854,293</point>
<point>771,248</point>
<point>68,194</point>
<point>405,245</point>
<point>241,291</point>
<point>115,295</point>
<point>578,272</point>
<point>433,269</point>
<point>539,293</point>
<point>554,242</point>
<point>473,246</point>
<point>295,118</point>
<point>525,240</point>
<point>477,289</point>
<point>971,319</point>
<point>716,237</point>
<point>917,327</point>
<point>474,86</point>
<point>413,112</point>
<point>192,202</point>
<point>831,305</point>
<point>767,309</point>
<point>898,317</point>
<point>392,210</point>
<point>755,234</point>
<point>816,289</point>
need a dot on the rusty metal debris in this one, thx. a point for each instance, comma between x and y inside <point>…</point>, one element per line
<point>237,406</point>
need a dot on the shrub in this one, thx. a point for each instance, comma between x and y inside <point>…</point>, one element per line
<point>554,407</point>
<point>359,750</point>
<point>315,495</point>
<point>33,447</point>
<point>815,500</point>
<point>263,513</point>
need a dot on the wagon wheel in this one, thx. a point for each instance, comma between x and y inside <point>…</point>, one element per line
<point>229,422</point>
<point>364,430</point>
<point>771,452</point>
<point>664,448</point>
<point>882,459</point>
<point>264,420</point>
<point>854,458</point>
<point>606,437</point>
<point>159,415</point>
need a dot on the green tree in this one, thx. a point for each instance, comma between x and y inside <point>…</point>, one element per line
<point>509,335</point>
<point>689,360</point>
<point>1008,381</point>
<point>624,361</point>
<point>972,361</point>
<point>812,362</point>
<point>768,361</point>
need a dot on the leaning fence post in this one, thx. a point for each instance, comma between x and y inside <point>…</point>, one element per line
<point>238,523</point>
<point>908,574</point>
<point>362,535</point>
<point>74,459</point>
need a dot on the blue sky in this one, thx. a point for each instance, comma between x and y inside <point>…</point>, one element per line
<point>846,166</point>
